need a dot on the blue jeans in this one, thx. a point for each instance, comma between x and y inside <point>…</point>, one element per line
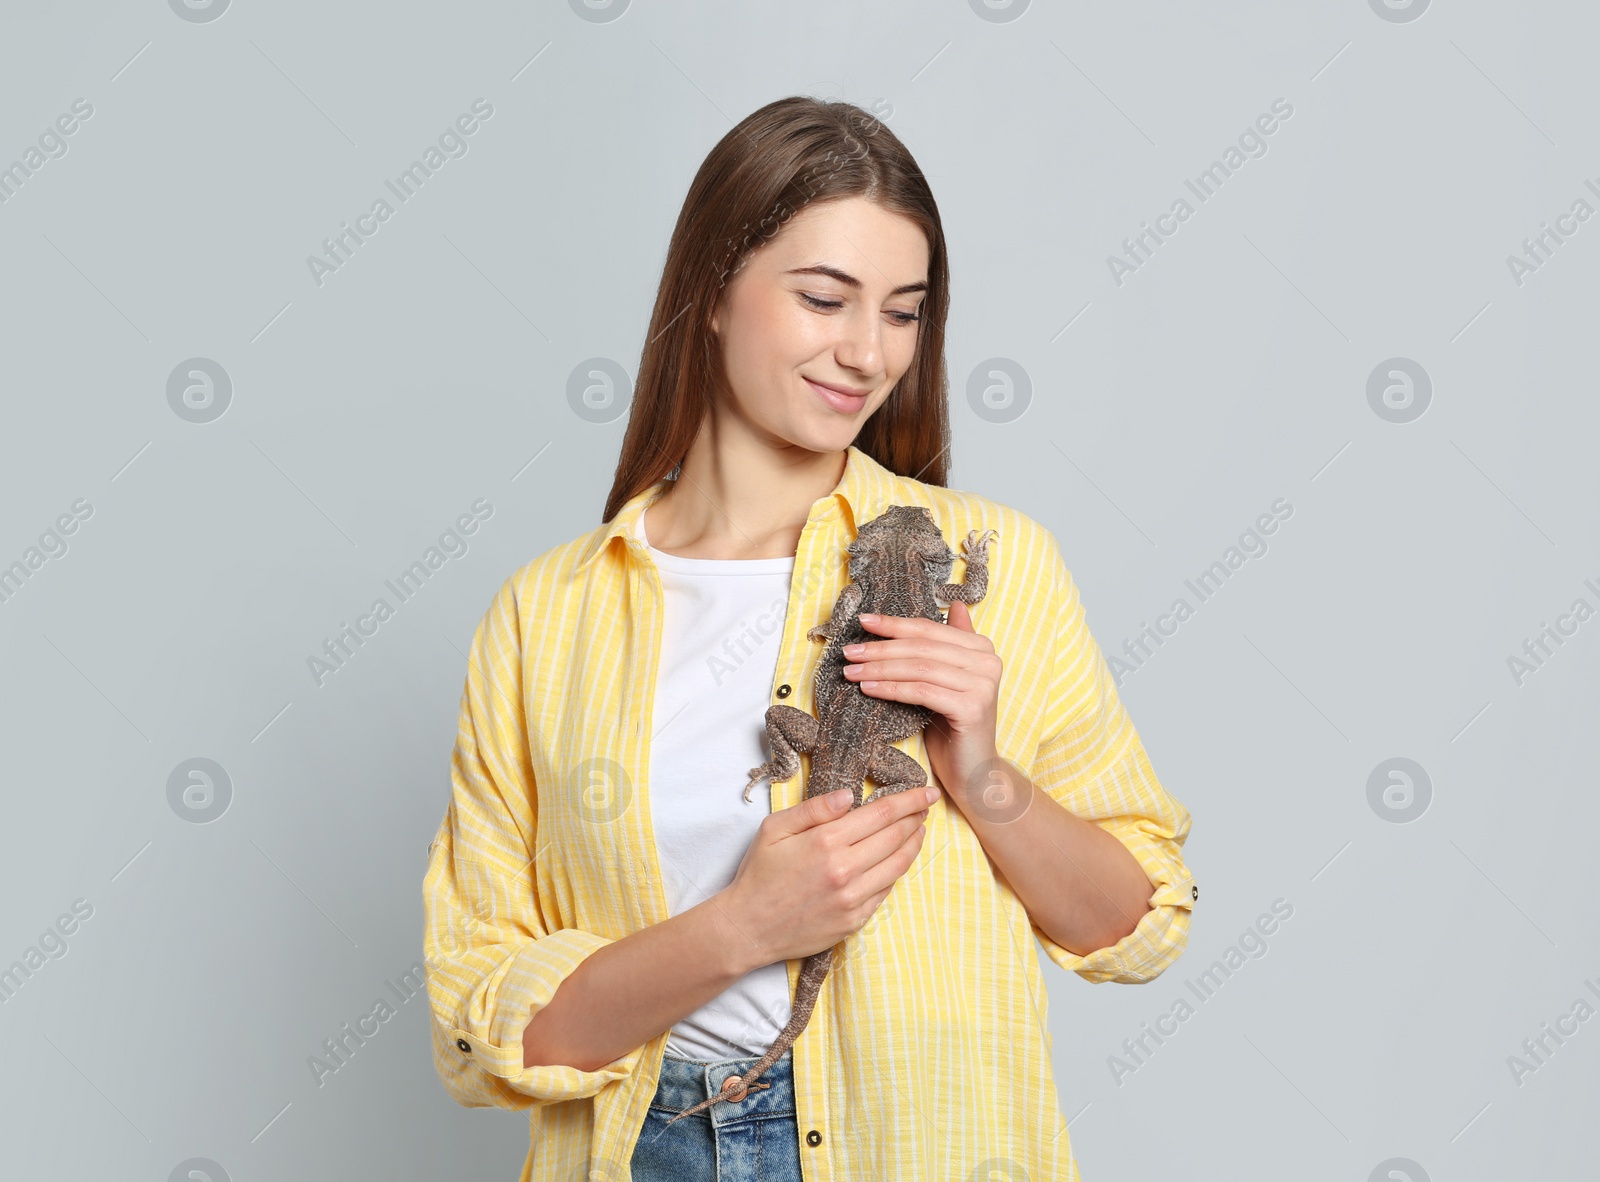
<point>755,1140</point>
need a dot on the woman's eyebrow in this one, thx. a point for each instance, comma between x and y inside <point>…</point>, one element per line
<point>849,280</point>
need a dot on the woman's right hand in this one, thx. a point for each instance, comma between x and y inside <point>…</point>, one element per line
<point>816,872</point>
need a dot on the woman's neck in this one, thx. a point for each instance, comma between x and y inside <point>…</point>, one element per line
<point>741,503</point>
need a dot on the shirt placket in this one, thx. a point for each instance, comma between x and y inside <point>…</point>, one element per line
<point>811,594</point>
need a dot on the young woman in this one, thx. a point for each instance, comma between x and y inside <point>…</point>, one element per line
<point>611,929</point>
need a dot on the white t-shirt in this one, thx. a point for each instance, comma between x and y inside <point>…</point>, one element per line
<point>719,654</point>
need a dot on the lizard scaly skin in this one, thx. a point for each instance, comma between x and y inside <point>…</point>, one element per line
<point>899,566</point>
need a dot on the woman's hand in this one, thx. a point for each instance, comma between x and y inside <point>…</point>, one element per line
<point>815,872</point>
<point>948,668</point>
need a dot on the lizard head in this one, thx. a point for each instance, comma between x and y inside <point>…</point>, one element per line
<point>901,530</point>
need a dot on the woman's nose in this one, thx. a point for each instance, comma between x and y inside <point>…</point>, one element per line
<point>860,345</point>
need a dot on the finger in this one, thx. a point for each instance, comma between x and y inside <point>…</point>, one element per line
<point>963,656</point>
<point>873,903</point>
<point>872,851</point>
<point>963,681</point>
<point>883,874</point>
<point>886,810</point>
<point>813,811</point>
<point>917,627</point>
<point>880,843</point>
<point>935,697</point>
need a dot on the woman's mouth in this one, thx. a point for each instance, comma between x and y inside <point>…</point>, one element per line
<point>840,401</point>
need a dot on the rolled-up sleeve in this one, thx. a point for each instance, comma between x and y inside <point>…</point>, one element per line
<point>1090,759</point>
<point>492,960</point>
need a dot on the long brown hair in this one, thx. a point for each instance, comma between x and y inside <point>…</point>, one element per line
<point>780,159</point>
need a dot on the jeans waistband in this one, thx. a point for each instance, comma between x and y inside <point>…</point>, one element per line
<point>686,1082</point>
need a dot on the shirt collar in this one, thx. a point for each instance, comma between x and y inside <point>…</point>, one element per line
<point>864,491</point>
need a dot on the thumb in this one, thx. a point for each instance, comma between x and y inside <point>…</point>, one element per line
<point>958,617</point>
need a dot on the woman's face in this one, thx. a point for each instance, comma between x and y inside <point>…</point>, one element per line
<point>834,298</point>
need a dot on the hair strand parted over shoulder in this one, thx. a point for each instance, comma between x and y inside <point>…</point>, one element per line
<point>781,158</point>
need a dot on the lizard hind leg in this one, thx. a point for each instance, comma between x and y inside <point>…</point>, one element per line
<point>789,731</point>
<point>893,771</point>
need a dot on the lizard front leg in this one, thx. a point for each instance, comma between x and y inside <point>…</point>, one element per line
<point>975,580</point>
<point>844,610</point>
<point>893,771</point>
<point>789,731</point>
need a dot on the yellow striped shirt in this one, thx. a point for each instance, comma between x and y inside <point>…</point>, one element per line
<point>928,1052</point>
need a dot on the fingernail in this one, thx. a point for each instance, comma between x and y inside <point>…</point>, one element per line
<point>931,794</point>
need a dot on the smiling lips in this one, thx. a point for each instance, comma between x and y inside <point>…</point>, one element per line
<point>840,398</point>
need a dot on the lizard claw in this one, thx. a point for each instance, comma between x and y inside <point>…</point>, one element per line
<point>976,543</point>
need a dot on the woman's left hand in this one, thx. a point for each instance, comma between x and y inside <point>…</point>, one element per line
<point>948,668</point>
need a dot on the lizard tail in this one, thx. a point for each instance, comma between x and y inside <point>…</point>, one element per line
<point>736,1087</point>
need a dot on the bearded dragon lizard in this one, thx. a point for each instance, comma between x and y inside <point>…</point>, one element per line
<point>899,566</point>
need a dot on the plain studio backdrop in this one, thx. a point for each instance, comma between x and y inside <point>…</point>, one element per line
<point>1373,326</point>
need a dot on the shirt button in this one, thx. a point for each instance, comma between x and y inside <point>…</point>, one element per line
<point>464,1045</point>
<point>813,1138</point>
<point>1194,893</point>
<point>783,691</point>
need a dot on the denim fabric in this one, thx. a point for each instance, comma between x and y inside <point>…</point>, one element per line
<point>755,1140</point>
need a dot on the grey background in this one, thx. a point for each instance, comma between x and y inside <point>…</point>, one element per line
<point>1167,413</point>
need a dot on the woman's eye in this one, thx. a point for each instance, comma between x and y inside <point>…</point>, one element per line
<point>899,317</point>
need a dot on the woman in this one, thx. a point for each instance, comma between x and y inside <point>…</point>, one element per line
<point>611,930</point>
